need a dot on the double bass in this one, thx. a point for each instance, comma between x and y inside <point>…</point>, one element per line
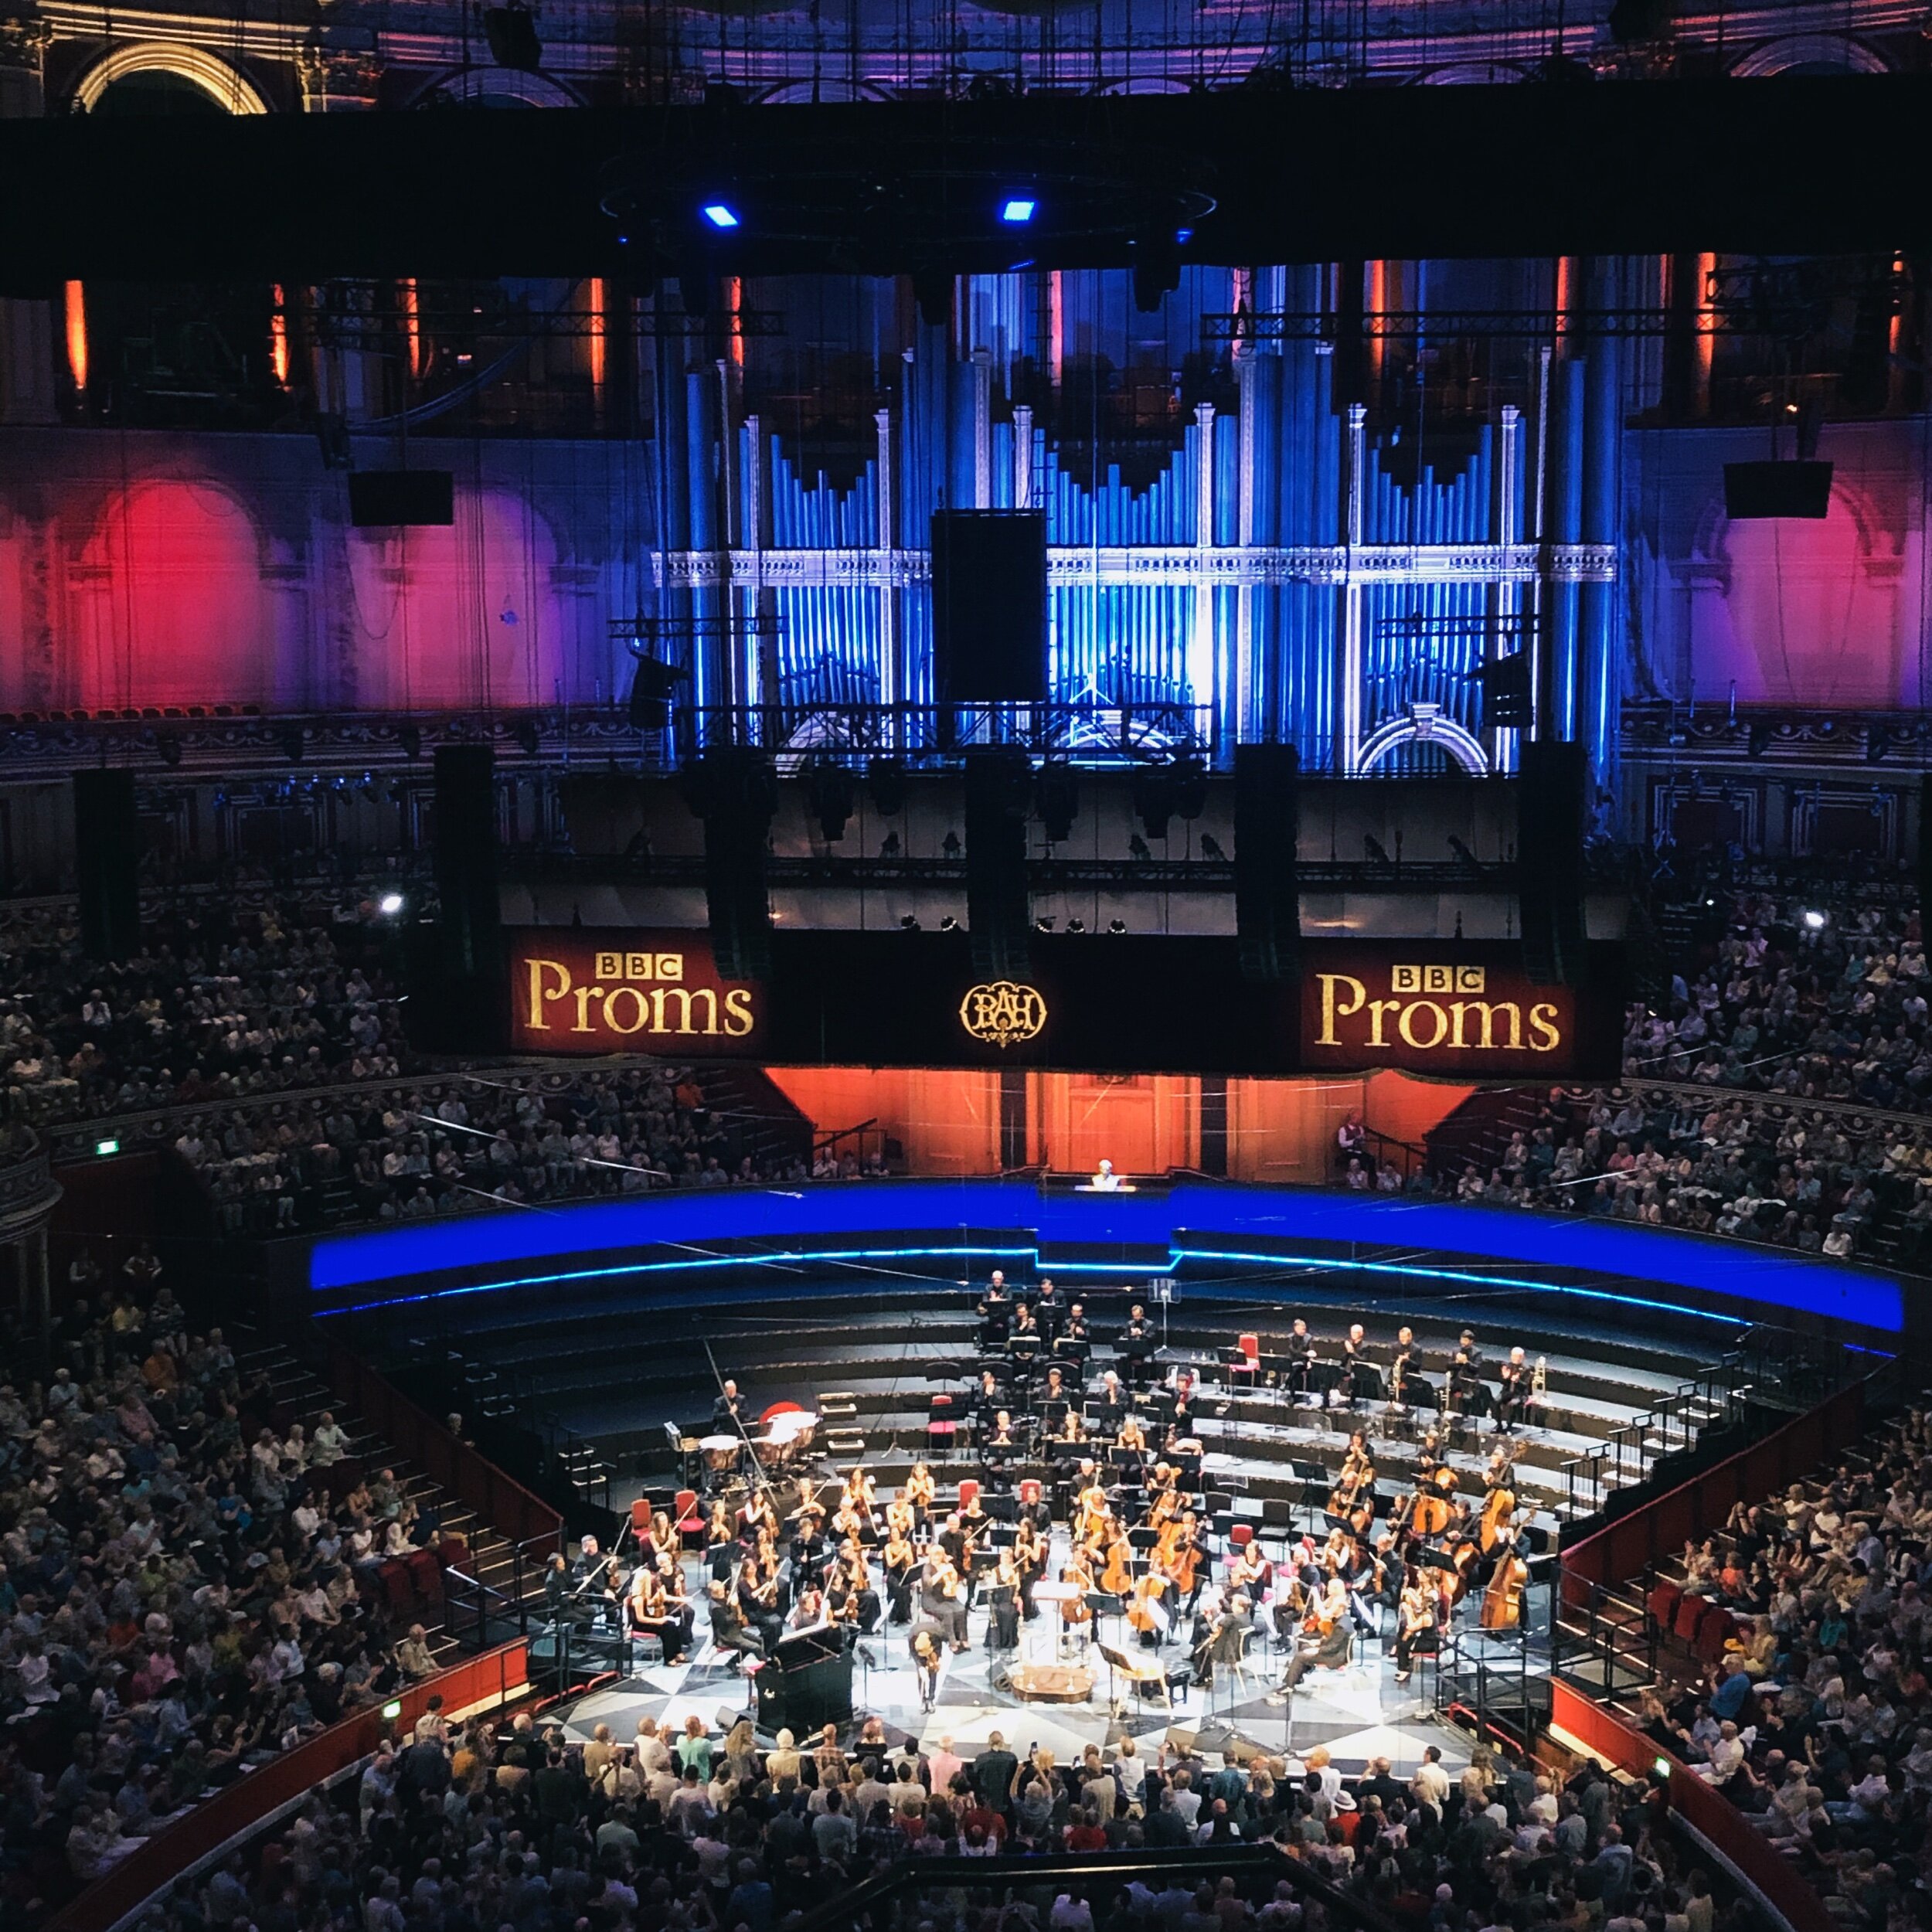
<point>1502,1601</point>
<point>1430,1509</point>
<point>1499,1508</point>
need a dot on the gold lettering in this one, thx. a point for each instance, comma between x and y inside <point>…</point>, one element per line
<point>636,966</point>
<point>611,1010</point>
<point>609,966</point>
<point>1544,1036</point>
<point>739,1018</point>
<point>1404,1024</point>
<point>1331,1012</point>
<point>1377,1007</point>
<point>684,995</point>
<point>671,965</point>
<point>1461,1010</point>
<point>536,968</point>
<point>584,995</point>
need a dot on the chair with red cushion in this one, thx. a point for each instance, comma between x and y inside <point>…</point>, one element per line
<point>1660,1604</point>
<point>426,1574</point>
<point>968,1491</point>
<point>1246,1363</point>
<point>1690,1612</point>
<point>641,1514</point>
<point>685,1517</point>
<point>398,1586</point>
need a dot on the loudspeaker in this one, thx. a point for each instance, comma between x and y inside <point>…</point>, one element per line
<point>1777,489</point>
<point>1267,887</point>
<point>734,790</point>
<point>989,606</point>
<point>999,784</point>
<point>1549,860</point>
<point>512,35</point>
<point>108,863</point>
<point>380,498</point>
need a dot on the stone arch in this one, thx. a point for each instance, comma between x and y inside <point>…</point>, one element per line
<point>222,82</point>
<point>1472,73</point>
<point>1423,724</point>
<point>1833,53</point>
<point>496,87</point>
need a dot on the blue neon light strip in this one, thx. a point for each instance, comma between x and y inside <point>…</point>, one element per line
<point>1191,1222</point>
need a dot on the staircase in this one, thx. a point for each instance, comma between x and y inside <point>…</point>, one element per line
<point>757,1118</point>
<point>1479,1130</point>
<point>300,1395</point>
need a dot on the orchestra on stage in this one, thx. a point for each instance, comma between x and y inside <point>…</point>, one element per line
<point>1090,1516</point>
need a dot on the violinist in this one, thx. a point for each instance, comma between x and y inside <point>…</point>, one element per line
<point>1250,1574</point>
<point>974,1522</point>
<point>720,1539</point>
<point>920,1491</point>
<point>1358,1479</point>
<point>646,1614</point>
<point>850,1598</point>
<point>943,1597</point>
<point>1512,1391</point>
<point>853,1515</point>
<point>1008,1588</point>
<point>900,1519</point>
<point>1090,1504</point>
<point>988,1402</point>
<point>926,1660</point>
<point>757,1600</point>
<point>901,1563</point>
<point>955,1544</point>
<point>1133,1438</point>
<point>1416,1627</point>
<point>1029,1559</point>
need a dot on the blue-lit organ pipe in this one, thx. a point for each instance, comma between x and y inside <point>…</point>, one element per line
<point>1602,696</point>
<point>1260,659</point>
<point>711,648</point>
<point>1566,526</point>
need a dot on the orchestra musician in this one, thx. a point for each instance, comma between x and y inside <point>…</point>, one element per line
<point>757,1601</point>
<point>1512,1391</point>
<point>1357,1483</point>
<point>1048,1311</point>
<point>942,1598</point>
<point>1327,1640</point>
<point>1029,1559</point>
<point>850,1598</point>
<point>593,1580</point>
<point>901,1563</point>
<point>1361,1378</point>
<point>926,1659</point>
<point>995,1312</point>
<point>1415,1626</point>
<point>1076,1328</point>
<point>808,1612</point>
<point>1301,1353</point>
<point>1227,1640</point>
<point>727,1411</point>
<point>921,1491</point>
<point>1138,1344</point>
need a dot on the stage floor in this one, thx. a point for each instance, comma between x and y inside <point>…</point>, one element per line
<point>1358,1713</point>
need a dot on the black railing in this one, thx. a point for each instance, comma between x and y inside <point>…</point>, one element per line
<point>1256,1870</point>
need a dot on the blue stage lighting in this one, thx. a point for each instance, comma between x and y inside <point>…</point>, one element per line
<point>719,215</point>
<point>1018,210</point>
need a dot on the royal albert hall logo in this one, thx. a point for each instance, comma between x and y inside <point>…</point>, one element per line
<point>1003,1012</point>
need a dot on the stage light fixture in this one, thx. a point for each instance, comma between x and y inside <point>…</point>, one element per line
<point>907,923</point>
<point>1117,925</point>
<point>1815,921</point>
<point>1044,924</point>
<point>720,214</point>
<point>949,924</point>
<point>389,904</point>
<point>1076,925</point>
<point>1017,210</point>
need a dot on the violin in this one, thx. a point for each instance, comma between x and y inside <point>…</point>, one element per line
<point>920,1488</point>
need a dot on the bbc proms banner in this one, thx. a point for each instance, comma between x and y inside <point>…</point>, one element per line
<point>1103,1002</point>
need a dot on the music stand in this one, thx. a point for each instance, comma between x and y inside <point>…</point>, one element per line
<point>1103,1603</point>
<point>1315,1480</point>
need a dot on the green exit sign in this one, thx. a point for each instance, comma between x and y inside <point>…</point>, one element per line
<point>107,1147</point>
<point>393,1708</point>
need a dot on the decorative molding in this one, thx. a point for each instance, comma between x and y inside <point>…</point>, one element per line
<point>24,45</point>
<point>338,79</point>
<point>220,80</point>
<point>1069,565</point>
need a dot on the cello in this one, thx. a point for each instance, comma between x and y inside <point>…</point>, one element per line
<point>1116,1578</point>
<point>1147,1613</point>
<point>1429,1508</point>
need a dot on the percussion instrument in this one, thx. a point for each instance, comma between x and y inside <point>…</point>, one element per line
<point>720,1452</point>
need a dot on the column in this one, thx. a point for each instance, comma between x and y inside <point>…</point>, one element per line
<point>982,429</point>
<point>26,328</point>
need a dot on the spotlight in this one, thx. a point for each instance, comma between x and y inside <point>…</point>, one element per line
<point>907,923</point>
<point>1117,925</point>
<point>1076,925</point>
<point>511,33</point>
<point>1044,924</point>
<point>1017,210</point>
<point>1815,921</point>
<point>389,904</point>
<point>719,214</point>
<point>949,924</point>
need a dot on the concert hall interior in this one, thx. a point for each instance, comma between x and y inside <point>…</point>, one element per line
<point>985,932</point>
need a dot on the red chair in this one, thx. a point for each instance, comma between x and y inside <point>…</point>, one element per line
<point>426,1574</point>
<point>1029,1492</point>
<point>1248,1360</point>
<point>1690,1612</point>
<point>1715,1630</point>
<point>1241,1535</point>
<point>941,1427</point>
<point>641,1514</point>
<point>685,1518</point>
<point>398,1586</point>
<point>968,1491</point>
<point>1661,1605</point>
